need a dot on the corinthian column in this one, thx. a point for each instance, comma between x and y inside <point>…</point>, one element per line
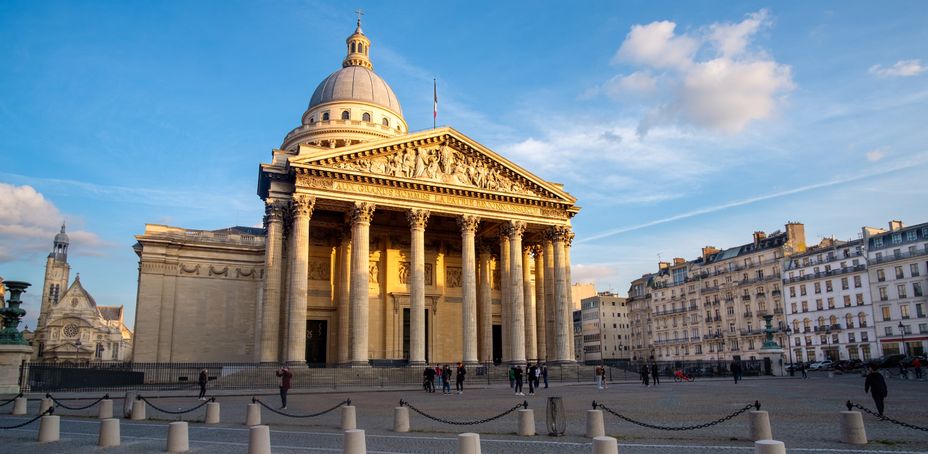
<point>516,293</point>
<point>270,310</point>
<point>361,216</point>
<point>302,210</point>
<point>504,290</point>
<point>468,225</point>
<point>343,274</point>
<point>540,325</point>
<point>550,300</point>
<point>484,306</point>
<point>564,317</point>
<point>568,239</point>
<point>417,220</point>
<point>531,345</point>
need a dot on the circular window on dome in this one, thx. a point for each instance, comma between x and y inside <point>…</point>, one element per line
<point>70,330</point>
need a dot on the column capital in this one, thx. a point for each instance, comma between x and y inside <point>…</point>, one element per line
<point>468,224</point>
<point>515,228</point>
<point>569,239</point>
<point>417,218</point>
<point>362,212</point>
<point>557,233</point>
<point>484,247</point>
<point>302,205</point>
<point>538,249</point>
<point>274,211</point>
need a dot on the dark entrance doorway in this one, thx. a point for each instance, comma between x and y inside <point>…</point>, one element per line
<point>406,323</point>
<point>316,337</point>
<point>497,344</point>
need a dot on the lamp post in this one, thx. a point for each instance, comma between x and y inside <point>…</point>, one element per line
<point>789,346</point>
<point>905,349</point>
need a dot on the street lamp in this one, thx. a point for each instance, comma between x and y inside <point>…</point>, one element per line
<point>905,350</point>
<point>789,346</point>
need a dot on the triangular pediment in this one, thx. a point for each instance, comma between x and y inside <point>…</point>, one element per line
<point>76,297</point>
<point>441,157</point>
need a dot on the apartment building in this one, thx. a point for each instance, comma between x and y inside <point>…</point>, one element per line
<point>604,328</point>
<point>639,316</point>
<point>829,309</point>
<point>898,273</point>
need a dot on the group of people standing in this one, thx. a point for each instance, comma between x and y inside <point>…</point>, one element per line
<point>534,373</point>
<point>442,374</point>
<point>650,374</point>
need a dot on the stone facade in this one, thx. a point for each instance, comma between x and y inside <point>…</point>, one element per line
<point>605,328</point>
<point>379,247</point>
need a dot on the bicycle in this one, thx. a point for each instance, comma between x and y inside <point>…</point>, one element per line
<point>681,377</point>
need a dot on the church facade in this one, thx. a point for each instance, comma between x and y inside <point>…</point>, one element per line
<point>71,326</point>
<point>379,246</point>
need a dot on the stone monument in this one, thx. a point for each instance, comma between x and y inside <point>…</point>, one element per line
<point>14,350</point>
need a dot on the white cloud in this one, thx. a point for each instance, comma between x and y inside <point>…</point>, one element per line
<point>902,68</point>
<point>634,84</point>
<point>29,222</point>
<point>877,154</point>
<point>724,92</point>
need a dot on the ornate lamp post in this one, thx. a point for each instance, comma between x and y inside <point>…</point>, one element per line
<point>789,346</point>
<point>905,348</point>
<point>12,314</point>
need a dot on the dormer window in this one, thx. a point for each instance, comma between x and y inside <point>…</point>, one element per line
<point>366,117</point>
<point>346,115</point>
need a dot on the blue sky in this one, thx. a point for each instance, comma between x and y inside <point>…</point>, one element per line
<point>675,124</point>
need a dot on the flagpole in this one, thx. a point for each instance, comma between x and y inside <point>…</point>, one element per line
<point>434,102</point>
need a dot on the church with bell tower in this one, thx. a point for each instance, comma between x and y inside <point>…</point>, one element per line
<point>378,247</point>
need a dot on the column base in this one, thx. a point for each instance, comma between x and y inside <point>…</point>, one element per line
<point>359,364</point>
<point>472,363</point>
<point>562,362</point>
<point>295,363</point>
<point>516,362</point>
<point>416,364</point>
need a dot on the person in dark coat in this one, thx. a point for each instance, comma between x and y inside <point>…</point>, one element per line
<point>736,370</point>
<point>285,376</point>
<point>518,377</point>
<point>459,378</point>
<point>446,380</point>
<point>532,379</point>
<point>644,375</point>
<point>544,373</point>
<point>876,386</point>
<point>428,379</point>
<point>655,375</point>
<point>202,380</point>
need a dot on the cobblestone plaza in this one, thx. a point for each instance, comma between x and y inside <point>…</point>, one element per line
<point>803,414</point>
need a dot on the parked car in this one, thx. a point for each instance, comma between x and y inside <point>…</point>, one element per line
<point>793,367</point>
<point>910,359</point>
<point>846,365</point>
<point>821,365</point>
<point>888,361</point>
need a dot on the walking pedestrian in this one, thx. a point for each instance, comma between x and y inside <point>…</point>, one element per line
<point>446,379</point>
<point>655,374</point>
<point>917,365</point>
<point>903,372</point>
<point>876,385</point>
<point>599,379</point>
<point>518,380</point>
<point>532,384</point>
<point>459,378</point>
<point>644,375</point>
<point>438,375</point>
<point>428,379</point>
<point>202,380</point>
<point>285,376</point>
<point>544,373</point>
<point>512,377</point>
<point>736,370</point>
<point>802,368</point>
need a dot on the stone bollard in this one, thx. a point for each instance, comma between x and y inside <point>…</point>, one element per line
<point>355,443</point>
<point>46,404</point>
<point>138,410</point>
<point>212,413</point>
<point>106,409</point>
<point>19,406</point>
<point>49,429</point>
<point>469,443</point>
<point>594,424</point>
<point>852,428</point>
<point>349,417</point>
<point>769,447</point>
<point>253,417</point>
<point>527,423</point>
<point>400,419</point>
<point>109,432</point>
<point>259,440</point>
<point>178,437</point>
<point>760,425</point>
<point>605,445</point>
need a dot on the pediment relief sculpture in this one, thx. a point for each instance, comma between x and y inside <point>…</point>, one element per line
<point>441,164</point>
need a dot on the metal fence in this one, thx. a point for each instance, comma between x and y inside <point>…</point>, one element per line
<point>108,376</point>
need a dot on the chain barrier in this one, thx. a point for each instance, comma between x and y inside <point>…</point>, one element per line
<point>7,402</point>
<point>755,405</point>
<point>59,404</point>
<point>49,411</point>
<point>255,400</point>
<point>851,405</point>
<point>523,405</point>
<point>178,412</point>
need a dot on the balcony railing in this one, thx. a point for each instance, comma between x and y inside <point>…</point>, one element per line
<point>822,274</point>
<point>899,256</point>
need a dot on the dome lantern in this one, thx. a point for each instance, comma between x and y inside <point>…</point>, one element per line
<point>359,47</point>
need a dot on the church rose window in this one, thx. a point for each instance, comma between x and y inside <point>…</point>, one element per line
<point>70,330</point>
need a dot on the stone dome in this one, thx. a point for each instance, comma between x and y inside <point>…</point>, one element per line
<point>356,83</point>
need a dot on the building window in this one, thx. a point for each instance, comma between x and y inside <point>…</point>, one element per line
<point>366,117</point>
<point>904,310</point>
<point>880,276</point>
<point>888,330</point>
<point>910,235</point>
<point>325,116</point>
<point>899,274</point>
<point>831,303</point>
<point>792,292</point>
<point>860,299</point>
<point>802,290</point>
<point>897,238</point>
<point>844,283</point>
<point>920,310</point>
<point>878,242</point>
<point>847,300</point>
<point>346,115</point>
<point>857,283</point>
<point>883,295</point>
<point>805,306</point>
<point>886,314</point>
<point>900,289</point>
<point>862,317</point>
<point>386,121</point>
<point>864,337</point>
<point>818,305</point>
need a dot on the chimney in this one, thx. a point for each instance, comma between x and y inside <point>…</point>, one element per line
<point>678,261</point>
<point>795,238</point>
<point>758,236</point>
<point>661,266</point>
<point>895,225</point>
<point>707,251</point>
